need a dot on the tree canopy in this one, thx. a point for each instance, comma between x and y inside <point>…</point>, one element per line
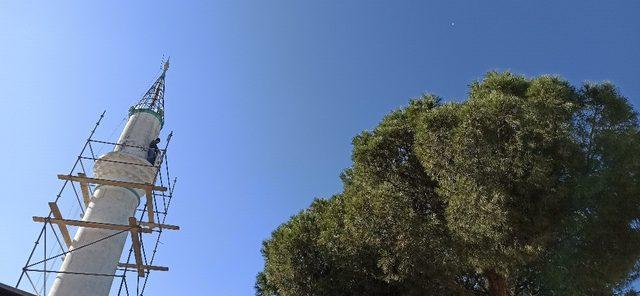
<point>529,187</point>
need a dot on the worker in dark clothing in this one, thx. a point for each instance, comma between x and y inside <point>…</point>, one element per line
<point>153,151</point>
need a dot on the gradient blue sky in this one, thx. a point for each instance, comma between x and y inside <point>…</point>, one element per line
<point>264,98</point>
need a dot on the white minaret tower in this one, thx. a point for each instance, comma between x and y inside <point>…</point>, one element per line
<point>114,204</point>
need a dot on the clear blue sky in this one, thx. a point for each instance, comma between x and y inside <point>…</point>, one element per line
<point>264,98</point>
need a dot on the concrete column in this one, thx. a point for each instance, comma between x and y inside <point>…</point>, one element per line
<point>110,204</point>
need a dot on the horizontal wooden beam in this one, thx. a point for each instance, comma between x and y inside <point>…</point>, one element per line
<point>89,224</point>
<point>147,267</point>
<point>112,182</point>
<point>162,226</point>
<point>62,226</point>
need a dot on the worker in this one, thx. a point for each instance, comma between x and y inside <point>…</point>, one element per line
<point>153,151</point>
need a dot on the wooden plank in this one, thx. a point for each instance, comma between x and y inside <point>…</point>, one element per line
<point>112,182</point>
<point>147,267</point>
<point>85,190</point>
<point>62,226</point>
<point>150,212</point>
<point>133,226</point>
<point>88,224</point>
<point>163,226</point>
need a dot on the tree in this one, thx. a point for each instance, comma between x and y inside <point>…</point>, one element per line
<point>529,187</point>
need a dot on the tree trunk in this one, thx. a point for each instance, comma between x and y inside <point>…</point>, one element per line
<point>497,284</point>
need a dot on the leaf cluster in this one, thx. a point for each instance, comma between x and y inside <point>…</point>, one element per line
<point>529,187</point>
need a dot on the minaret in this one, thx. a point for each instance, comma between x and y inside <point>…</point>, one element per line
<point>114,204</point>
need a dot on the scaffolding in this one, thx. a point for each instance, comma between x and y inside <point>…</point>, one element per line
<point>147,226</point>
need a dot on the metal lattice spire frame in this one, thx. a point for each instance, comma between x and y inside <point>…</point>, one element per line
<point>153,99</point>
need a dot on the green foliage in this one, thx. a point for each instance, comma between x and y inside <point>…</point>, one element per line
<point>530,187</point>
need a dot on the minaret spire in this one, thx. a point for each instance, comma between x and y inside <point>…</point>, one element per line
<point>153,99</point>
<point>166,65</point>
<point>157,94</point>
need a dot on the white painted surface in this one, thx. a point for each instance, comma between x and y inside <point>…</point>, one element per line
<point>141,129</point>
<point>109,204</point>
